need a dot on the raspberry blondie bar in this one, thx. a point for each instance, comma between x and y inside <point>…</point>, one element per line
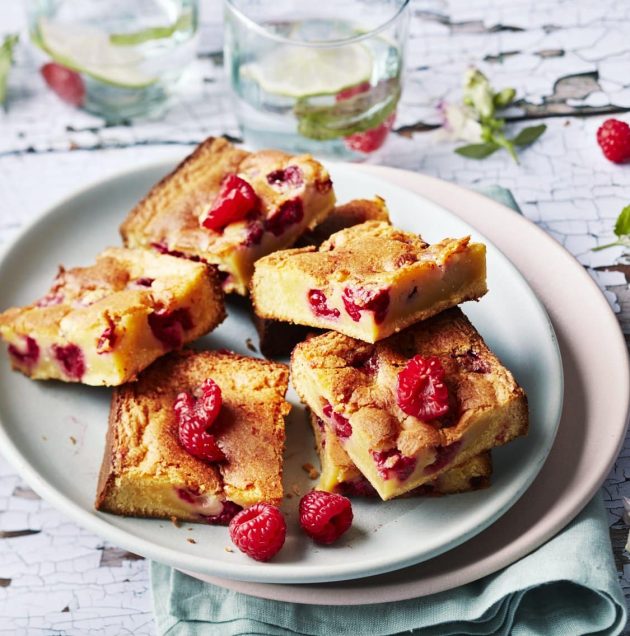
<point>368,281</point>
<point>411,407</point>
<point>277,338</point>
<point>229,207</point>
<point>103,324</point>
<point>198,437</point>
<point>339,473</point>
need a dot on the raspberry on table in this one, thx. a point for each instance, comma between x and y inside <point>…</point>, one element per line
<point>613,137</point>
<point>420,390</point>
<point>325,516</point>
<point>195,416</point>
<point>236,199</point>
<point>259,531</point>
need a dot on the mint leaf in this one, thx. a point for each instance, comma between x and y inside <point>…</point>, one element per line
<point>622,231</point>
<point>357,114</point>
<point>529,135</point>
<point>622,226</point>
<point>477,151</point>
<point>6,59</point>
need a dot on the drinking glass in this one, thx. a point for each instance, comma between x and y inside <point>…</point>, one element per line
<point>115,58</point>
<point>323,77</point>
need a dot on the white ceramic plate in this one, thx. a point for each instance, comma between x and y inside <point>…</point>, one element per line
<point>591,431</point>
<point>39,418</point>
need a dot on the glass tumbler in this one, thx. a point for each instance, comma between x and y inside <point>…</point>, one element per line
<point>114,58</point>
<point>323,77</point>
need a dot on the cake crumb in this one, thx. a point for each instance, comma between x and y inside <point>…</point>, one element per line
<point>190,540</point>
<point>73,440</point>
<point>228,549</point>
<point>312,472</point>
<point>250,345</point>
<point>175,522</point>
<point>44,438</point>
<point>191,528</point>
<point>296,490</point>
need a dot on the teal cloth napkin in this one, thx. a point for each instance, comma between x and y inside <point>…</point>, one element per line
<point>568,586</point>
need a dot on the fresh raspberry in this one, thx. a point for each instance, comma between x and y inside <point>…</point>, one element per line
<point>613,137</point>
<point>259,531</point>
<point>351,91</point>
<point>358,299</point>
<point>236,199</point>
<point>325,516</point>
<point>291,176</point>
<point>343,428</point>
<point>70,359</point>
<point>372,139</point>
<point>195,416</point>
<point>421,391</point>
<point>67,84</point>
<point>288,213</point>
<point>318,302</point>
<point>169,326</point>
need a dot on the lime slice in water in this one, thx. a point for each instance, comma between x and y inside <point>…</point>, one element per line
<point>89,50</point>
<point>300,72</point>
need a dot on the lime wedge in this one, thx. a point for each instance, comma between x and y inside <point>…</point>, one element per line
<point>88,50</point>
<point>300,72</point>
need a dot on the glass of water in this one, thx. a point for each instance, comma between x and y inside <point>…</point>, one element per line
<point>119,59</point>
<point>323,77</point>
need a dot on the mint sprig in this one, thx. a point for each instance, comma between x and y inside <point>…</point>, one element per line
<point>6,59</point>
<point>622,231</point>
<point>481,103</point>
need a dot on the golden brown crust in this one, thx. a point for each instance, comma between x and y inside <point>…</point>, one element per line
<point>107,473</point>
<point>344,216</point>
<point>142,443</point>
<point>199,174</point>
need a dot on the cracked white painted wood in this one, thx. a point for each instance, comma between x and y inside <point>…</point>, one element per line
<point>569,62</point>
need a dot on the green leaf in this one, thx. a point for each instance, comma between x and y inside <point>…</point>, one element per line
<point>504,97</point>
<point>360,113</point>
<point>6,59</point>
<point>622,226</point>
<point>477,151</point>
<point>529,135</point>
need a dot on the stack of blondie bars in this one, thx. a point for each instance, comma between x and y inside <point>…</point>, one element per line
<point>403,394</point>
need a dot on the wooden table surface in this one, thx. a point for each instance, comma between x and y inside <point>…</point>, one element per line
<point>569,62</point>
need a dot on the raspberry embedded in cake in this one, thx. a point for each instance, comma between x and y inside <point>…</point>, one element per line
<point>340,474</point>
<point>111,320</point>
<point>368,281</point>
<point>199,436</point>
<point>229,207</point>
<point>419,412</point>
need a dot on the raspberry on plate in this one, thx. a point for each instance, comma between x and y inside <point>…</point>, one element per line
<point>226,206</point>
<point>613,137</point>
<point>325,516</point>
<point>368,281</point>
<point>398,445</point>
<point>104,324</point>
<point>199,436</point>
<point>259,531</point>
